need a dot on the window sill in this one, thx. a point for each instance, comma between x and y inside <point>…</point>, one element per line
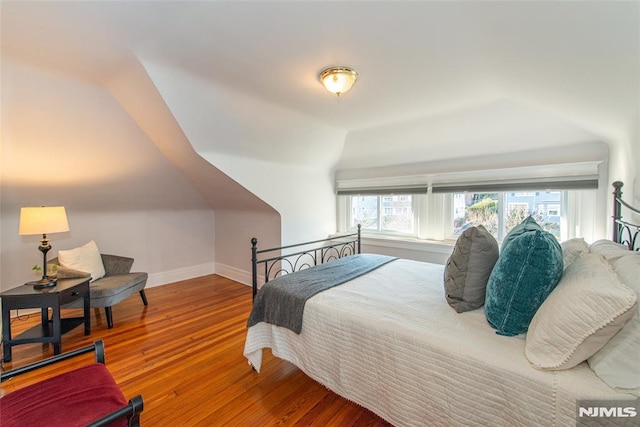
<point>409,243</point>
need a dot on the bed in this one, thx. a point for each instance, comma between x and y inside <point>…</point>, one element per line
<point>389,340</point>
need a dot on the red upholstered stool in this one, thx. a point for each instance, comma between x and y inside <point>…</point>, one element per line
<point>83,396</point>
<point>74,398</point>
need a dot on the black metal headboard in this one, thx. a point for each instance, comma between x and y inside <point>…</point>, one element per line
<point>624,232</point>
<point>314,253</point>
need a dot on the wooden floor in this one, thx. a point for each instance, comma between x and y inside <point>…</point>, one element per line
<point>183,353</point>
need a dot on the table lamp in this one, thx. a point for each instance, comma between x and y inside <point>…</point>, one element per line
<point>43,220</point>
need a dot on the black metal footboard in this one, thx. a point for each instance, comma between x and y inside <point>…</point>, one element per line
<point>624,232</point>
<point>275,262</point>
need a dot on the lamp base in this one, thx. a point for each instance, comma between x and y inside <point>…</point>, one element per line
<point>45,282</point>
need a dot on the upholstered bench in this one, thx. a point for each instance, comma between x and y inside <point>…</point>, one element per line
<point>83,396</point>
<point>117,284</point>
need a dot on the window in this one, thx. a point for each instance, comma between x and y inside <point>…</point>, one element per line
<point>444,215</point>
<point>471,209</point>
<point>383,213</point>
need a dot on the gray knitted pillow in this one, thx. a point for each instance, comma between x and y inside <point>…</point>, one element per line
<point>469,267</point>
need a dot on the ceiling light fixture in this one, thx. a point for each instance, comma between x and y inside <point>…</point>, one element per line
<point>338,80</point>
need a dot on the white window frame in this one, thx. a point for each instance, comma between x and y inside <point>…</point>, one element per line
<point>433,216</point>
<point>584,209</point>
<point>538,208</point>
<point>345,205</point>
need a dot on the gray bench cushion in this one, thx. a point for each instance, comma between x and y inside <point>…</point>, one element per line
<point>117,285</point>
<point>111,290</point>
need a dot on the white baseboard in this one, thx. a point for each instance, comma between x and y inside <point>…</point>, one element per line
<point>178,274</point>
<point>234,273</point>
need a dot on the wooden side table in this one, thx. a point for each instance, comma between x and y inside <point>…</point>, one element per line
<point>49,331</point>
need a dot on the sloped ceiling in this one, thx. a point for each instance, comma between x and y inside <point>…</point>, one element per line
<point>564,72</point>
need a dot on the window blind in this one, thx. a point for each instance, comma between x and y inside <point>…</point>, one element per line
<point>559,183</point>
<point>571,176</point>
<point>375,191</point>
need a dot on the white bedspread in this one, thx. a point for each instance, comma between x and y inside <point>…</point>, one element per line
<point>389,342</point>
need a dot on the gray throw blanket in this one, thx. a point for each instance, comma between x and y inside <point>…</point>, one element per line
<point>281,301</point>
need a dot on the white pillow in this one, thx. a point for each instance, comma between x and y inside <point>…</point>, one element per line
<point>586,309</point>
<point>85,258</point>
<point>573,249</point>
<point>609,249</point>
<point>617,362</point>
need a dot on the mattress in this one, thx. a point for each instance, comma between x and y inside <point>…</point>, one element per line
<point>390,342</point>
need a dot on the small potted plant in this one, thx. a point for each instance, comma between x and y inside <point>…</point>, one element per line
<point>52,270</point>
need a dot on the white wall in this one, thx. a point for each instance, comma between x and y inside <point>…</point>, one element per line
<point>163,243</point>
<point>234,231</point>
<point>281,156</point>
<point>303,196</point>
<point>66,142</point>
<point>125,186</point>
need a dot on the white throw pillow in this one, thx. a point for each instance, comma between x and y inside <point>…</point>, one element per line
<point>587,308</point>
<point>617,362</point>
<point>573,249</point>
<point>85,258</point>
<point>609,249</point>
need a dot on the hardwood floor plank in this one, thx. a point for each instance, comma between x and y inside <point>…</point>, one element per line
<point>183,353</point>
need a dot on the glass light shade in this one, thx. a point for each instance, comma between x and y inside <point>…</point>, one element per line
<point>338,80</point>
<point>43,220</point>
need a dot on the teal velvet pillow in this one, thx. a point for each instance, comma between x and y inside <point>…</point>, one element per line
<point>529,224</point>
<point>528,269</point>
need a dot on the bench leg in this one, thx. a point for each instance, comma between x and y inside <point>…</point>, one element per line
<point>144,297</point>
<point>107,311</point>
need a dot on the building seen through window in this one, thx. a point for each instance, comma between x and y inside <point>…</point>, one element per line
<point>384,213</point>
<point>500,212</point>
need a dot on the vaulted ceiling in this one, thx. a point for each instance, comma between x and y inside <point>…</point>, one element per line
<point>451,78</point>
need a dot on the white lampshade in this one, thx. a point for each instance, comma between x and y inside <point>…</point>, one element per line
<point>43,220</point>
<point>338,80</point>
